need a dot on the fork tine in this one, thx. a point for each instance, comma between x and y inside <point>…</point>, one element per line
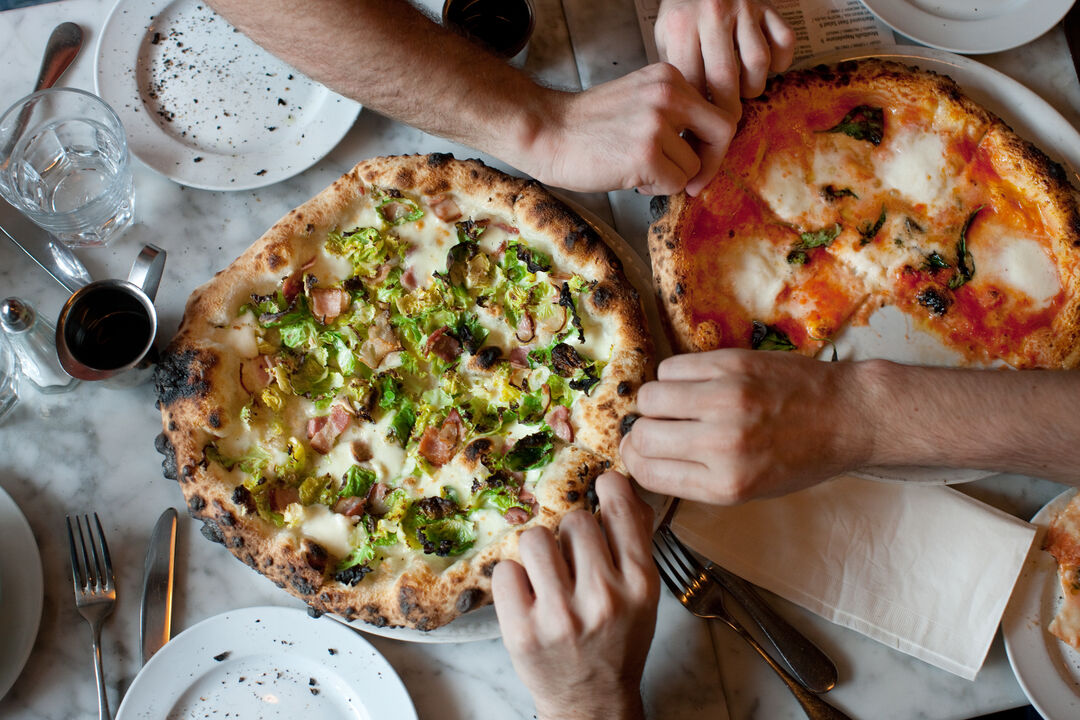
<point>683,553</point>
<point>99,580</point>
<point>676,554</point>
<point>76,568</point>
<point>664,573</point>
<point>108,575</point>
<point>90,580</point>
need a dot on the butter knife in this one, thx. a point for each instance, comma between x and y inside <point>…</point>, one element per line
<point>53,256</point>
<point>808,663</point>
<point>155,625</point>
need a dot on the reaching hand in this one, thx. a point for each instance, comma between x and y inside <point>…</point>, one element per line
<point>724,47</point>
<point>731,425</point>
<point>629,133</point>
<point>578,613</point>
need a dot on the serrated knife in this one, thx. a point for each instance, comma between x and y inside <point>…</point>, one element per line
<point>155,617</point>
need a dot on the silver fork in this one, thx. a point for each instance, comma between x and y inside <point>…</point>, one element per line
<point>689,581</point>
<point>95,590</point>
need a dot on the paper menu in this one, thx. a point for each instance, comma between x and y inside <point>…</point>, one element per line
<point>820,26</point>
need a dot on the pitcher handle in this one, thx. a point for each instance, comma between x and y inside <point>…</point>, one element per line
<point>147,269</point>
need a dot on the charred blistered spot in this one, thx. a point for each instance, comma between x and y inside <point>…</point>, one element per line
<point>186,473</point>
<point>351,576</point>
<point>672,298</point>
<point>168,464</point>
<point>602,296</point>
<point>315,556</point>
<point>243,498</point>
<point>934,301</point>
<point>566,359</point>
<point>488,568</point>
<point>669,244</point>
<point>591,498</point>
<point>373,616</point>
<point>214,418</point>
<point>224,517</point>
<point>302,585</point>
<point>477,449</point>
<point>172,425</point>
<point>486,357</point>
<point>627,423</point>
<point>212,532</point>
<point>407,601</point>
<point>275,262</point>
<point>315,612</point>
<point>436,160</point>
<point>405,177</point>
<point>195,504</point>
<point>573,496</point>
<point>249,560</point>
<point>658,205</point>
<point>679,289</point>
<point>468,599</point>
<point>624,388</point>
<point>236,542</point>
<point>180,375</point>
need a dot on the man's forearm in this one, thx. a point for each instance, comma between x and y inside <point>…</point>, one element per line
<point>390,57</point>
<point>1012,421</point>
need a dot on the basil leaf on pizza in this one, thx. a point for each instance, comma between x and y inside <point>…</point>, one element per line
<point>371,402</point>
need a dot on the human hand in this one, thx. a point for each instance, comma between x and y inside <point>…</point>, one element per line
<point>628,133</point>
<point>724,47</point>
<point>578,614</point>
<point>728,426</point>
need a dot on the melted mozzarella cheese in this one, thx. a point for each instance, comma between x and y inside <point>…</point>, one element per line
<point>319,523</point>
<point>1018,261</point>
<point>914,167</point>
<point>760,275</point>
<point>788,192</point>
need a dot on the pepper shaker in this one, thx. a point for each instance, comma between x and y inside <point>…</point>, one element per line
<point>34,341</point>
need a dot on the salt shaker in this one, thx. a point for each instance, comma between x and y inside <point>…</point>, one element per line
<point>34,342</point>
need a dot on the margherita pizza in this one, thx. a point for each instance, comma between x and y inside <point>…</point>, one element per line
<point>870,183</point>
<point>371,402</point>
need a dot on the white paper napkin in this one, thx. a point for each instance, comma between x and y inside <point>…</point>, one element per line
<point>923,569</point>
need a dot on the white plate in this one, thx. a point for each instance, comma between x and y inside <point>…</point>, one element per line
<point>267,662</point>
<point>970,26</point>
<point>21,592</point>
<point>480,624</point>
<point>204,105</point>
<point>890,334</point>
<point>1047,669</point>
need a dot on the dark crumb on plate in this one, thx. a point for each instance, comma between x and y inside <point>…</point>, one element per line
<point>222,656</point>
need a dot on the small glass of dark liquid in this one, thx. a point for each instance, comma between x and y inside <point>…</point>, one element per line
<point>106,329</point>
<point>502,26</point>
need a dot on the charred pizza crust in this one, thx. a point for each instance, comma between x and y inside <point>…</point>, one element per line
<point>201,390</point>
<point>985,164</point>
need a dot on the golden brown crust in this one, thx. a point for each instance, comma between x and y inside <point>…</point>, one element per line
<point>990,164</point>
<point>199,384</point>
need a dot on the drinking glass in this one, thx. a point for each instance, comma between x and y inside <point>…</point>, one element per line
<point>502,26</point>
<point>64,163</point>
<point>9,378</point>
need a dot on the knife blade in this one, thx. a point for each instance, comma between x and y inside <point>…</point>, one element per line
<point>155,626</point>
<point>52,255</point>
<point>1072,35</point>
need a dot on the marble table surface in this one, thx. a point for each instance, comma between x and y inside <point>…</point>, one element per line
<point>92,449</point>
